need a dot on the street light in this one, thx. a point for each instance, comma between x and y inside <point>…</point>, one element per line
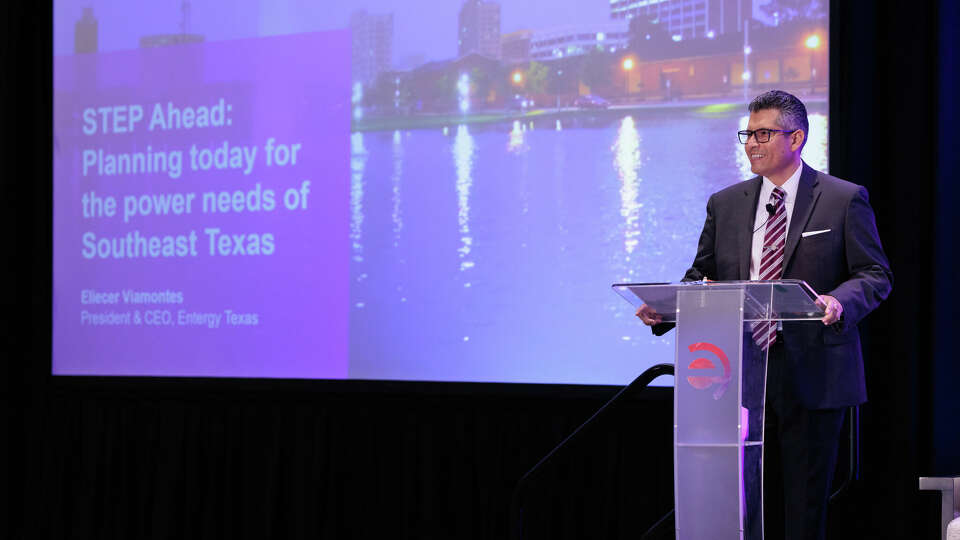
<point>747,51</point>
<point>628,64</point>
<point>558,87</point>
<point>463,91</point>
<point>517,77</point>
<point>813,43</point>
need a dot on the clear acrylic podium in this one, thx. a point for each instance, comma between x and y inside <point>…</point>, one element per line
<point>719,393</point>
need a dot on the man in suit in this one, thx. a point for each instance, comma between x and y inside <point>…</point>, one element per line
<point>793,222</point>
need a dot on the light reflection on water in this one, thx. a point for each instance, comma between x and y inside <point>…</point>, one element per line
<point>490,249</point>
<point>743,163</point>
<point>358,162</point>
<point>516,144</point>
<point>815,151</point>
<point>626,152</point>
<point>463,157</point>
<point>395,215</point>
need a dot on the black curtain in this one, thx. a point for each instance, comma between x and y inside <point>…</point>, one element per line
<point>884,117</point>
<point>89,458</point>
<point>182,460</point>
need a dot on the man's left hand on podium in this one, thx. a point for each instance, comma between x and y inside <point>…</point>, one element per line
<point>648,315</point>
<point>832,307</point>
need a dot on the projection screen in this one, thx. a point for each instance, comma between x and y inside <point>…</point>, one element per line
<point>429,190</point>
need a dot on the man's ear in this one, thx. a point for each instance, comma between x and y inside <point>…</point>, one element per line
<point>796,139</point>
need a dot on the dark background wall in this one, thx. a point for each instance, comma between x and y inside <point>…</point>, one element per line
<point>121,458</point>
<point>945,416</point>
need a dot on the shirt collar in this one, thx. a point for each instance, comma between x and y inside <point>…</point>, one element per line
<point>790,187</point>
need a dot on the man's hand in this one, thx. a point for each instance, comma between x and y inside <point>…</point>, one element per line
<point>648,315</point>
<point>832,307</point>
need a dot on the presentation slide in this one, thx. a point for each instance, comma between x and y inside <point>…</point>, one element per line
<point>430,190</point>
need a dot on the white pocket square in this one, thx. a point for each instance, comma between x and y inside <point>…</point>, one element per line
<point>811,233</point>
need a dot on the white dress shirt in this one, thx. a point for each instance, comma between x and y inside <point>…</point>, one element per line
<point>760,222</point>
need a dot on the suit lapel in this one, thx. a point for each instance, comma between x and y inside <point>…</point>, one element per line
<point>748,213</point>
<point>807,194</point>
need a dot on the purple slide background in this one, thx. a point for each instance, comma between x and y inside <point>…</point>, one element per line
<point>293,88</point>
<point>454,235</point>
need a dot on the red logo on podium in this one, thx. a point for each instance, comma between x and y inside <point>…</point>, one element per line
<point>702,382</point>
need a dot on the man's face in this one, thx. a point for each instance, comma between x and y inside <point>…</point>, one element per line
<point>776,157</point>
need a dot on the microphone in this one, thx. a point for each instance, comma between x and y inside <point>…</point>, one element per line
<point>771,210</point>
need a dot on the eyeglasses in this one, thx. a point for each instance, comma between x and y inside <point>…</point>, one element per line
<point>762,135</point>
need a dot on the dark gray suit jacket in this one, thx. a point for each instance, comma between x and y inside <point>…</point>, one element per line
<point>848,263</point>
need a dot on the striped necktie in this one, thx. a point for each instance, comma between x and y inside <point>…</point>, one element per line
<point>771,261</point>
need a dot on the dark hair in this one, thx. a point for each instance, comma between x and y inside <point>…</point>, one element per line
<point>793,114</point>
